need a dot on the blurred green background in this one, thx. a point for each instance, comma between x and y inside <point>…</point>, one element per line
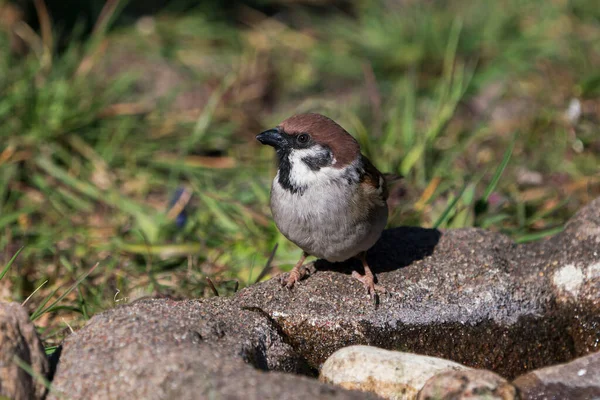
<point>127,131</point>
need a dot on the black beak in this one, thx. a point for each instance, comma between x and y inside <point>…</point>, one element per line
<point>272,137</point>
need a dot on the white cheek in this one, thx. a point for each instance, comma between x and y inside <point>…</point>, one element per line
<point>302,175</point>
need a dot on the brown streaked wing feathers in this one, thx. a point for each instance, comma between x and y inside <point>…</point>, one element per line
<point>373,177</point>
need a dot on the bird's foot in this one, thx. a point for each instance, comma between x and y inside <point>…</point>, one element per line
<point>295,275</point>
<point>368,281</point>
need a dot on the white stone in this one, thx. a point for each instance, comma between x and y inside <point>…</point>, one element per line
<point>569,279</point>
<point>593,271</point>
<point>389,374</point>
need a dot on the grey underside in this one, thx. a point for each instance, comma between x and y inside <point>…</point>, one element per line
<point>325,221</point>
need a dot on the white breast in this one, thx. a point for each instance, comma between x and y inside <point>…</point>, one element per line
<point>322,220</point>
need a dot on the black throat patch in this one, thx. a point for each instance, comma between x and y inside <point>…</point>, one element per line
<point>285,169</point>
<point>314,163</point>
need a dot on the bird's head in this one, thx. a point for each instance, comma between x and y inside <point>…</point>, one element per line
<point>311,148</point>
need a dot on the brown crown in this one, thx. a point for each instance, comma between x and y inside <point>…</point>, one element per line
<point>325,132</point>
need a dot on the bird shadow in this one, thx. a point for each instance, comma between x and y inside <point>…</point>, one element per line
<point>395,249</point>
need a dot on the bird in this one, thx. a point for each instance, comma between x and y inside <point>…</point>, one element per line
<point>327,197</point>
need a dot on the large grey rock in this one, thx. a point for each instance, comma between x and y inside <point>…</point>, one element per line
<point>389,374</point>
<point>475,384</point>
<point>19,342</point>
<point>577,380</point>
<point>467,295</point>
<point>162,349</point>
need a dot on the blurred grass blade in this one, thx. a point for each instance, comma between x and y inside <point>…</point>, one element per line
<point>46,27</point>
<point>9,218</point>
<point>411,158</point>
<point>449,208</point>
<point>427,193</point>
<point>7,266</point>
<point>494,220</point>
<point>408,112</point>
<point>212,286</point>
<point>455,81</point>
<point>35,315</point>
<point>451,48</point>
<point>35,375</point>
<point>149,225</point>
<point>34,292</point>
<point>41,310</point>
<point>496,178</point>
<point>464,217</point>
<point>107,15</point>
<point>83,305</point>
<point>540,215</point>
<point>59,173</point>
<point>530,237</point>
<point>222,217</point>
<point>165,251</point>
<point>267,267</point>
<point>205,118</point>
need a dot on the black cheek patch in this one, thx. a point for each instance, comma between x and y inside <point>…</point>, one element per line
<point>319,161</point>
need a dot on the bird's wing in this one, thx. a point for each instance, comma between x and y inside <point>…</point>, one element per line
<point>374,179</point>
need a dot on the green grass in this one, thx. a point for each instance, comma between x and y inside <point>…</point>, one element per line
<point>8,265</point>
<point>463,98</point>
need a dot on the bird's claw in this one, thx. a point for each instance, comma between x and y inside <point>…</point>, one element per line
<point>370,286</point>
<point>290,281</point>
<point>295,275</point>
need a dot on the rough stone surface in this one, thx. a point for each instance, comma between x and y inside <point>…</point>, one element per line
<point>468,295</point>
<point>474,384</point>
<point>577,380</point>
<point>163,349</point>
<point>18,338</point>
<point>389,374</point>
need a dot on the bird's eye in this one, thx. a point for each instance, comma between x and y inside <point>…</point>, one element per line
<point>303,138</point>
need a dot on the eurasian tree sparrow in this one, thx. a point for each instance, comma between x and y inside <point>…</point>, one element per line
<point>327,197</point>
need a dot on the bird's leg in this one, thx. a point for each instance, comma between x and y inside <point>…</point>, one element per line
<point>368,280</point>
<point>297,273</point>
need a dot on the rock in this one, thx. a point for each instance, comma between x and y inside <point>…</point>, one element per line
<point>389,374</point>
<point>18,339</point>
<point>467,295</point>
<point>159,349</point>
<point>577,380</point>
<point>477,384</point>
